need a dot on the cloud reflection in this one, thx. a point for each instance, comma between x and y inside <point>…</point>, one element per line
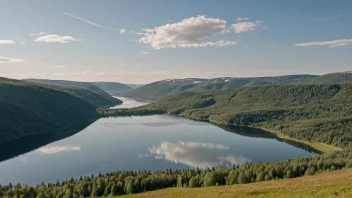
<point>49,150</point>
<point>196,154</point>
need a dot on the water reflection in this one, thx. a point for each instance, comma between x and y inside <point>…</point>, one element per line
<point>196,154</point>
<point>49,150</point>
<point>17,147</point>
<point>148,124</point>
<point>160,124</point>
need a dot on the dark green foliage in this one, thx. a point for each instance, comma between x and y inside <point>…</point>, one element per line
<point>129,112</point>
<point>66,83</point>
<point>86,91</point>
<point>321,113</point>
<point>32,109</point>
<point>128,182</point>
<point>93,98</point>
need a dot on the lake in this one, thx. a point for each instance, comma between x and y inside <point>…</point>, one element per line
<point>138,143</point>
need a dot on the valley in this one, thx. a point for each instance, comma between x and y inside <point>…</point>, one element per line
<point>219,129</point>
<point>201,145</point>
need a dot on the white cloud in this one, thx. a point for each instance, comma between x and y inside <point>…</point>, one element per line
<point>10,60</point>
<point>7,42</point>
<point>190,32</point>
<point>49,150</point>
<point>53,38</point>
<point>245,26</point>
<point>333,43</point>
<point>196,154</point>
<point>39,34</point>
<point>90,22</point>
<point>144,53</point>
<point>242,19</point>
<point>122,30</point>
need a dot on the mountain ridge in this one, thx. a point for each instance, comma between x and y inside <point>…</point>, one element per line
<point>159,89</point>
<point>93,94</point>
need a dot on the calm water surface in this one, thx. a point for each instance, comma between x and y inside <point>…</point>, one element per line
<point>135,143</point>
<point>128,103</point>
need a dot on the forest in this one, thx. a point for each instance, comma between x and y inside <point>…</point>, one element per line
<point>30,109</point>
<point>129,182</point>
<point>87,91</point>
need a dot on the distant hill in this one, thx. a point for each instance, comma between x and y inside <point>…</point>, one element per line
<point>113,88</point>
<point>30,109</point>
<point>86,91</point>
<point>133,86</point>
<point>333,78</point>
<point>156,90</point>
<point>163,88</point>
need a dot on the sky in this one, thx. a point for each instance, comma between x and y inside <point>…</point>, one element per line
<point>141,41</point>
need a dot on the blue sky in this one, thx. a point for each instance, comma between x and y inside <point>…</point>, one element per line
<point>135,41</point>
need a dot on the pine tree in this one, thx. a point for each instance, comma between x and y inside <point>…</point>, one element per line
<point>129,188</point>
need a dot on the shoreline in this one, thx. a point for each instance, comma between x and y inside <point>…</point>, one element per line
<point>322,147</point>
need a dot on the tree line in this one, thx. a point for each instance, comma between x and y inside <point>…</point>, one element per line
<point>129,182</point>
<point>139,111</point>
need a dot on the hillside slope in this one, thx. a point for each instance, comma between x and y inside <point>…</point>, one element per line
<point>331,184</point>
<point>333,78</point>
<point>163,88</point>
<point>112,88</point>
<point>86,91</point>
<point>320,113</point>
<point>29,109</point>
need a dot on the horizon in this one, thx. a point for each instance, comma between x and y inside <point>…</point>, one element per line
<point>120,41</point>
<point>189,78</point>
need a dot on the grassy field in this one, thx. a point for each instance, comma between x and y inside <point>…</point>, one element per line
<point>322,147</point>
<point>325,148</point>
<point>331,184</point>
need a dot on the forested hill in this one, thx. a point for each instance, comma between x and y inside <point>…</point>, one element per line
<point>163,88</point>
<point>113,88</point>
<point>86,91</point>
<point>321,113</point>
<point>30,109</point>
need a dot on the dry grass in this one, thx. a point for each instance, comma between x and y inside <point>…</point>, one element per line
<point>331,184</point>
